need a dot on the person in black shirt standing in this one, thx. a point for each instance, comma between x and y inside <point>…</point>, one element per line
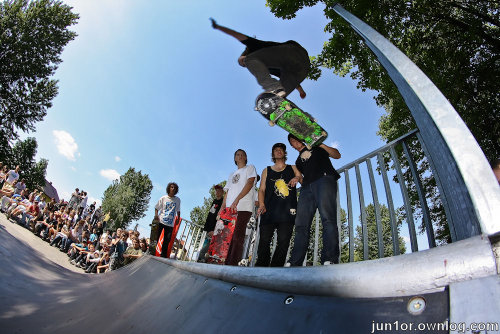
<point>289,61</point>
<point>318,191</point>
<point>211,220</point>
<point>277,207</point>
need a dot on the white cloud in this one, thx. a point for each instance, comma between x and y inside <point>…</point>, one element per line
<point>118,159</point>
<point>335,144</point>
<point>110,174</point>
<point>66,144</point>
<point>98,202</point>
<point>65,195</point>
<point>73,168</point>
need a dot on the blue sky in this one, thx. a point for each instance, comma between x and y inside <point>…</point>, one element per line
<point>151,85</point>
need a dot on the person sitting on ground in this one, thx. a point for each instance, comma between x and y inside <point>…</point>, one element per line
<point>132,253</point>
<point>61,235</point>
<point>77,251</point>
<point>10,203</point>
<point>144,245</point>
<point>117,256</point>
<point>21,207</point>
<point>46,226</point>
<point>103,265</point>
<point>37,224</point>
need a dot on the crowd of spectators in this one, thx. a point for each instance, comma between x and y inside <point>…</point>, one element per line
<point>75,228</point>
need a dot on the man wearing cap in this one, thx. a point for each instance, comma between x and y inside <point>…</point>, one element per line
<point>318,192</point>
<point>211,220</point>
<point>277,207</point>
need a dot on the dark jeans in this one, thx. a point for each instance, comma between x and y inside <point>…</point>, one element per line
<point>166,238</point>
<point>292,61</point>
<point>284,232</point>
<point>321,195</point>
<point>237,242</point>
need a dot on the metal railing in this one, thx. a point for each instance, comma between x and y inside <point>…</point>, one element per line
<point>468,193</point>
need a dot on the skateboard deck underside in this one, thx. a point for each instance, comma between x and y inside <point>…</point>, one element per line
<point>221,239</point>
<point>291,118</point>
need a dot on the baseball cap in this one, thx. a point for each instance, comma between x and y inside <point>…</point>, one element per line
<point>281,145</point>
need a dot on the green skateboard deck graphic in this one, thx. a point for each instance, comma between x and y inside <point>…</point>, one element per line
<point>291,118</point>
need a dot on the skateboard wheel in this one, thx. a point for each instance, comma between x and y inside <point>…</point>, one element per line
<point>271,123</point>
<point>288,107</point>
<point>323,133</point>
<point>308,146</point>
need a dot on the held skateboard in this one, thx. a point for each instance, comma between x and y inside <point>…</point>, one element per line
<point>153,238</point>
<point>221,239</point>
<point>285,113</point>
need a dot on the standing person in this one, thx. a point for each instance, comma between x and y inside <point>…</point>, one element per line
<point>277,207</point>
<point>211,220</point>
<point>318,191</point>
<point>10,180</point>
<point>240,195</point>
<point>289,61</point>
<point>74,198</point>
<point>19,187</point>
<point>166,210</point>
<point>12,176</point>
<point>83,203</point>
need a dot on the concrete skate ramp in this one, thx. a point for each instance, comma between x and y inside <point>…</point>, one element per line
<point>154,296</point>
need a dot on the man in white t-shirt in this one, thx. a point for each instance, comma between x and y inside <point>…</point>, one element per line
<point>12,176</point>
<point>167,208</point>
<point>240,196</point>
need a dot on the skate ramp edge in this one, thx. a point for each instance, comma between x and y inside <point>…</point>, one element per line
<point>169,296</point>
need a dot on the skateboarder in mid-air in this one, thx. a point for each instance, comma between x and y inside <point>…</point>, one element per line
<point>289,61</point>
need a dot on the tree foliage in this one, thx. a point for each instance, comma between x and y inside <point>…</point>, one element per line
<point>456,43</point>
<point>23,154</point>
<point>127,199</point>
<point>371,225</point>
<point>33,35</point>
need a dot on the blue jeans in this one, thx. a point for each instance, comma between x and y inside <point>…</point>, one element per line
<point>322,195</point>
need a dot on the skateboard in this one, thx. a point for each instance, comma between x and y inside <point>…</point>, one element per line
<point>221,239</point>
<point>250,252</point>
<point>285,113</point>
<point>153,236</point>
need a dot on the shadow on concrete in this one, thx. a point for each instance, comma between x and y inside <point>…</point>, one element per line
<point>150,296</point>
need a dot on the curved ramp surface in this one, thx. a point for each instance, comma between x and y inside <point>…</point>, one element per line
<point>150,295</point>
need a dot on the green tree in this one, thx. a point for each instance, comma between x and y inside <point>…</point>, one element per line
<point>33,35</point>
<point>371,225</point>
<point>23,154</point>
<point>127,199</point>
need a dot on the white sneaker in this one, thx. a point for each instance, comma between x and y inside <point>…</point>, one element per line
<point>327,263</point>
<point>287,265</point>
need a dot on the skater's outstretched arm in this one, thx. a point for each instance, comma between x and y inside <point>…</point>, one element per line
<point>301,92</point>
<point>239,36</point>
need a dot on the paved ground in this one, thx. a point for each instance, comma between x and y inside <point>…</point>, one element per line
<point>37,244</point>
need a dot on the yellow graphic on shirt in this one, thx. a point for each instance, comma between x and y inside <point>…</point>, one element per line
<point>281,188</point>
